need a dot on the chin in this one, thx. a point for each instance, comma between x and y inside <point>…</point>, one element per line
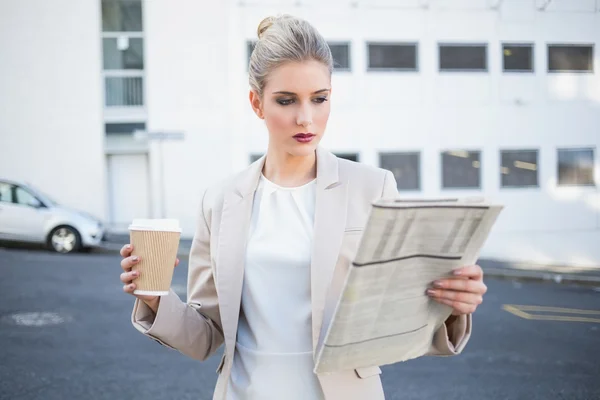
<point>303,150</point>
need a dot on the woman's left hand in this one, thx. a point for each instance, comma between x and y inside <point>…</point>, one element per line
<point>464,292</point>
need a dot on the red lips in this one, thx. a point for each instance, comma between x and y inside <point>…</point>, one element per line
<point>304,135</point>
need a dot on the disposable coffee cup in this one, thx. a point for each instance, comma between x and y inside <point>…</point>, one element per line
<point>156,242</point>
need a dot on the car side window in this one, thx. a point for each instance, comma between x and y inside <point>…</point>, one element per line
<point>24,198</point>
<point>6,193</point>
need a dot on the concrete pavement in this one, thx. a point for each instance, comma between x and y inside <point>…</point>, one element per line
<point>492,268</point>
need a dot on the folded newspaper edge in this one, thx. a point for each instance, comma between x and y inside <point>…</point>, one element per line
<point>382,314</point>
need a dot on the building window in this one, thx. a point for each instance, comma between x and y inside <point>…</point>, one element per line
<point>348,156</point>
<point>570,58</point>
<point>406,168</point>
<point>341,56</point>
<point>461,169</point>
<point>517,57</point>
<point>576,167</point>
<point>254,157</point>
<point>123,53</point>
<point>122,16</point>
<point>463,57</point>
<point>392,56</point>
<point>519,168</point>
<point>124,91</point>
<point>249,49</point>
<point>124,128</point>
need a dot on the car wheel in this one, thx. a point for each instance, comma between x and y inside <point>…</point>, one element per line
<point>64,239</point>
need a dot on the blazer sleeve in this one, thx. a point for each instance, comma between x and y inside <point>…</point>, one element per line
<point>451,338</point>
<point>193,328</point>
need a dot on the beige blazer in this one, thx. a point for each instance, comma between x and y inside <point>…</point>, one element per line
<point>345,191</point>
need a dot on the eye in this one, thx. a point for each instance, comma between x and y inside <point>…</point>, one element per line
<point>287,102</point>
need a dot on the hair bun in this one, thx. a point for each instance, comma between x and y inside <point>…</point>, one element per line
<point>264,25</point>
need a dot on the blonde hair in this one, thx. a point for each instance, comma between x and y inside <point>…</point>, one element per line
<point>283,39</point>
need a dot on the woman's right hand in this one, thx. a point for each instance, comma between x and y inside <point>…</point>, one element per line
<point>128,276</point>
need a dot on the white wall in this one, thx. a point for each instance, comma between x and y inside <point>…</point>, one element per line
<point>187,91</point>
<point>51,131</point>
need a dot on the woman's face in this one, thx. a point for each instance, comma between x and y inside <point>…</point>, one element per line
<point>295,106</point>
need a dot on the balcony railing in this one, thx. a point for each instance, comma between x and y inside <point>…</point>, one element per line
<point>123,88</point>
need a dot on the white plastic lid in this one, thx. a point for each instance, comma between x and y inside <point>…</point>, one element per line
<point>168,225</point>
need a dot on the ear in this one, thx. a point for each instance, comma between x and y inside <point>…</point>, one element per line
<point>256,104</point>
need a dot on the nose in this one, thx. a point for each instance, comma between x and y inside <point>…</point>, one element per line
<point>304,117</point>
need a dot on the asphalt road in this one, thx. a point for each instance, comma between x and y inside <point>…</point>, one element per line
<point>87,349</point>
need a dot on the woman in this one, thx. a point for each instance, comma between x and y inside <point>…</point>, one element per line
<point>271,240</point>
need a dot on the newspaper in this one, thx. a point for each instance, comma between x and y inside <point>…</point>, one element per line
<point>383,315</point>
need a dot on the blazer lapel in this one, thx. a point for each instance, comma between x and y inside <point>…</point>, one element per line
<point>233,235</point>
<point>329,224</point>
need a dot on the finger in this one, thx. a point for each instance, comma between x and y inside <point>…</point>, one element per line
<point>128,277</point>
<point>129,262</point>
<point>176,261</point>
<point>462,285</point>
<point>126,250</point>
<point>463,297</point>
<point>472,271</point>
<point>129,288</point>
<point>458,308</point>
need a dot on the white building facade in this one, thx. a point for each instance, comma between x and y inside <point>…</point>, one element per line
<point>457,97</point>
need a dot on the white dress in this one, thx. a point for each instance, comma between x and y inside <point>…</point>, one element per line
<point>273,356</point>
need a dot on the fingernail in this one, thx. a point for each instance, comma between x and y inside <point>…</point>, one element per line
<point>438,284</point>
<point>430,292</point>
<point>128,246</point>
<point>135,273</point>
<point>131,286</point>
<point>135,258</point>
<point>457,272</point>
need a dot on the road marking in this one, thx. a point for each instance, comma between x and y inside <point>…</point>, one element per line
<point>527,312</point>
<point>36,319</point>
<point>558,310</point>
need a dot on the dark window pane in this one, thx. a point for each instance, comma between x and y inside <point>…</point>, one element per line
<point>126,128</point>
<point>23,197</point>
<point>249,49</point>
<point>576,167</point>
<point>129,56</point>
<point>348,156</point>
<point>461,169</point>
<point>122,16</point>
<point>518,58</point>
<point>405,167</point>
<point>341,56</point>
<point>127,91</point>
<point>463,57</point>
<point>519,168</point>
<point>254,157</point>
<point>570,58</point>
<point>393,56</point>
<point>6,192</point>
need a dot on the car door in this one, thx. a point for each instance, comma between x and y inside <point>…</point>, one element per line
<point>8,222</point>
<point>24,217</point>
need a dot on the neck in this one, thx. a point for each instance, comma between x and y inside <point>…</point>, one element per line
<point>287,170</point>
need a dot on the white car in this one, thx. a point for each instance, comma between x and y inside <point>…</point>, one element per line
<point>27,215</point>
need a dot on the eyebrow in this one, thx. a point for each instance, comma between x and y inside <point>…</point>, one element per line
<point>293,94</point>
